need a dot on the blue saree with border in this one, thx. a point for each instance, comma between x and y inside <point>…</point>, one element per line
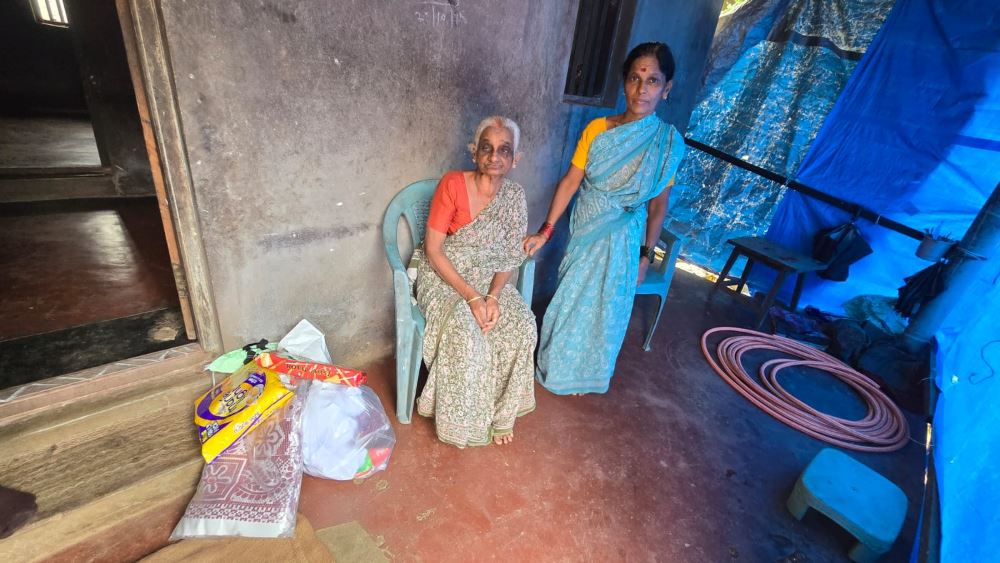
<point>584,325</point>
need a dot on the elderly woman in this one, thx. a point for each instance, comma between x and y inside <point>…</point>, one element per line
<point>480,334</point>
<point>625,164</point>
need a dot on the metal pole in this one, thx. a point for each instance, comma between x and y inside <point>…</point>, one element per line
<point>809,191</point>
<point>982,238</point>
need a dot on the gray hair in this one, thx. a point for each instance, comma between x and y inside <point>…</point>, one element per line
<point>496,121</point>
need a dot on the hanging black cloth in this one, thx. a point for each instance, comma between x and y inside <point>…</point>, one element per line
<point>920,288</point>
<point>839,247</point>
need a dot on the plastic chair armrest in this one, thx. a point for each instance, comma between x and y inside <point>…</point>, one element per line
<point>526,280</point>
<point>403,293</point>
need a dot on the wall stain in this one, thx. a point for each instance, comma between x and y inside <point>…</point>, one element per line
<point>283,15</point>
<point>301,237</point>
<point>208,133</point>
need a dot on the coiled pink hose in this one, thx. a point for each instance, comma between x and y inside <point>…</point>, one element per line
<point>883,429</point>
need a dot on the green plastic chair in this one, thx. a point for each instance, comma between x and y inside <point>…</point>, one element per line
<point>657,281</point>
<point>413,202</point>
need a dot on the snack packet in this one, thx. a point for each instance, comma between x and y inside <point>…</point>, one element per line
<point>235,406</point>
<point>311,370</point>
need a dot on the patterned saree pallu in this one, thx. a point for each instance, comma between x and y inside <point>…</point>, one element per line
<point>312,370</point>
<point>236,406</point>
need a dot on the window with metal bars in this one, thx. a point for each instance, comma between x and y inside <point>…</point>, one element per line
<point>50,12</point>
<point>599,43</point>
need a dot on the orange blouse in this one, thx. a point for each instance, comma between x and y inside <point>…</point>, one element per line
<point>450,204</point>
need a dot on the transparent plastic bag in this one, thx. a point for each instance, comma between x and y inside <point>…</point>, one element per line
<point>345,432</point>
<point>306,342</point>
<point>251,489</point>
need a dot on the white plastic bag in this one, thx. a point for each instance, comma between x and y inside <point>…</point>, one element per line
<point>306,342</point>
<point>345,432</point>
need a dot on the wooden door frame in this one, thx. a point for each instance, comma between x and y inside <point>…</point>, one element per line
<point>149,61</point>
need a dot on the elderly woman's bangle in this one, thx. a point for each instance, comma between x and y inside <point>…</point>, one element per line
<point>469,301</point>
<point>491,296</point>
<point>546,230</point>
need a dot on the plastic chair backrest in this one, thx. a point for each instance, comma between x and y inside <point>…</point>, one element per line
<point>414,203</point>
<point>672,245</point>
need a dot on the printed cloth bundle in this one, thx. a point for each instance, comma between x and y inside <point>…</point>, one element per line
<point>251,489</point>
<point>272,419</point>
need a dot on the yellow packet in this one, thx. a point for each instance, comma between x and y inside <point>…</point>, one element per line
<point>236,406</point>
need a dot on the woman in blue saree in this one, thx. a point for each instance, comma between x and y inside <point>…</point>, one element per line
<point>623,168</point>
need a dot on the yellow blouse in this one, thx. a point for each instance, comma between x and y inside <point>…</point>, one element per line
<point>593,129</point>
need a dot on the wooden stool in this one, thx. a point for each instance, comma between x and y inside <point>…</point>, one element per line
<point>784,260</point>
<point>861,501</point>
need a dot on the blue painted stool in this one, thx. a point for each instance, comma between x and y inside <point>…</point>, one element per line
<point>864,503</point>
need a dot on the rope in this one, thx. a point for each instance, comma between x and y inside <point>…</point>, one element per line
<point>883,429</point>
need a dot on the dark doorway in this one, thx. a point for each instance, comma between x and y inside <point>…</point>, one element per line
<point>85,271</point>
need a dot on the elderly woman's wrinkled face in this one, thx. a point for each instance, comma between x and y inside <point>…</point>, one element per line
<point>645,86</point>
<point>494,153</point>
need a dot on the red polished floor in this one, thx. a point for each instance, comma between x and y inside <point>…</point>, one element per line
<point>67,264</point>
<point>670,465</point>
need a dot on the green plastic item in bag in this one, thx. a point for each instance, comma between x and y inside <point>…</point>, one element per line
<point>235,359</point>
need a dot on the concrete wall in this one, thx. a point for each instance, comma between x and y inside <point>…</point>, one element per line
<point>303,118</point>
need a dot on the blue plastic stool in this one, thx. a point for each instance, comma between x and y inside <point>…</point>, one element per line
<point>864,503</point>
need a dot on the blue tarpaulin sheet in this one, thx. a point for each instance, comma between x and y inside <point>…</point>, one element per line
<point>775,71</point>
<point>967,427</point>
<point>915,136</point>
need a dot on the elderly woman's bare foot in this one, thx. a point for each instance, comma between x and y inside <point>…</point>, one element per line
<point>504,439</point>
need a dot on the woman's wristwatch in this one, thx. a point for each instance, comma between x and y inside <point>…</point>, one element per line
<point>648,252</point>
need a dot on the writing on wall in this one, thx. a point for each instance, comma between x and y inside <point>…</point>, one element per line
<point>440,14</point>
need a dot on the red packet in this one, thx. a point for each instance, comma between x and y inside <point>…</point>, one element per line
<point>311,370</point>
